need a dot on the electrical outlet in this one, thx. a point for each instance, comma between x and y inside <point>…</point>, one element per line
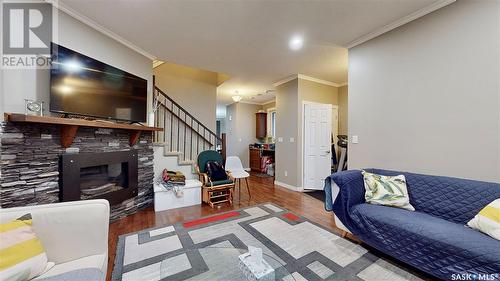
<point>292,139</point>
<point>280,139</point>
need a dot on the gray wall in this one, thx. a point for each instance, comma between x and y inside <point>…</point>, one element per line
<point>343,106</point>
<point>286,127</point>
<point>35,84</point>
<point>310,91</point>
<point>425,97</point>
<point>240,125</point>
<point>289,109</point>
<point>268,105</point>
<point>222,125</point>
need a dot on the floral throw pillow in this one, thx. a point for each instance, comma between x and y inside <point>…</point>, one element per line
<point>387,190</point>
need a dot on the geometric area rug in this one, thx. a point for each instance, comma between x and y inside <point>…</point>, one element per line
<point>305,250</point>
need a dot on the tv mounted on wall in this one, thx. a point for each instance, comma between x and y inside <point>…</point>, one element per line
<point>84,86</point>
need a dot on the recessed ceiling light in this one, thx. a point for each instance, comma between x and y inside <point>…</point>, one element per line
<point>296,43</point>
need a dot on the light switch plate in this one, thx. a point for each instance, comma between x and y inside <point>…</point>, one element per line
<point>355,139</point>
<point>292,139</point>
<point>280,139</point>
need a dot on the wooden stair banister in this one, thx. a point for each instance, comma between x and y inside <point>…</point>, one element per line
<point>186,134</point>
<point>223,146</point>
<point>184,122</point>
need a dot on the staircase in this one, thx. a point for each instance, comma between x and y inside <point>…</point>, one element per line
<point>183,138</point>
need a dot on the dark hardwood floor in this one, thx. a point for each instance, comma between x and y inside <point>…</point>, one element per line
<point>262,190</point>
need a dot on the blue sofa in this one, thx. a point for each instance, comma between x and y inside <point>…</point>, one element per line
<point>433,238</point>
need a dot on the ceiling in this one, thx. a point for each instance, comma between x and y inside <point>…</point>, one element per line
<point>248,40</point>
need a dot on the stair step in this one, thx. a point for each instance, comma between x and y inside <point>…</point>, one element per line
<point>172,161</point>
<point>172,153</point>
<point>159,143</point>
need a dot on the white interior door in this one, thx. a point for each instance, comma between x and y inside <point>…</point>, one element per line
<point>317,144</point>
<point>335,127</point>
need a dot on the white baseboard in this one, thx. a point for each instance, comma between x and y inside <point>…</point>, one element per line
<point>288,186</point>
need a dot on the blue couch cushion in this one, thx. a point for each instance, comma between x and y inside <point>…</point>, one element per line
<point>427,242</point>
<point>453,199</point>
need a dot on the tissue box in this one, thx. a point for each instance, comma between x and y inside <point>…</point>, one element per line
<point>251,272</point>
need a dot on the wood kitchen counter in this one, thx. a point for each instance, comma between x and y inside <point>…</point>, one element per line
<point>256,155</point>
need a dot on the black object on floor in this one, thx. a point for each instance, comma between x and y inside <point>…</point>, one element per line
<point>318,194</point>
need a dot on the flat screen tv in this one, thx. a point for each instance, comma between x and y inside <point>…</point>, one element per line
<point>84,86</point>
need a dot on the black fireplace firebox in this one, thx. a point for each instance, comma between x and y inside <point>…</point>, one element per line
<point>104,175</point>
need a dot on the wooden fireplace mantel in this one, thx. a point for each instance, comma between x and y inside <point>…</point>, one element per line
<point>69,126</point>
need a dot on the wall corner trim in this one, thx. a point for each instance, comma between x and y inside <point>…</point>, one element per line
<point>248,102</point>
<point>91,23</point>
<point>308,78</point>
<point>399,22</point>
<point>288,186</point>
<point>268,102</point>
<point>284,80</point>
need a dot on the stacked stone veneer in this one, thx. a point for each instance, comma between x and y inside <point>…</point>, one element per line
<point>29,163</point>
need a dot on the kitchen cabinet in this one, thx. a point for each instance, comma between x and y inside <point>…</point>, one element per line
<point>255,159</point>
<point>261,125</point>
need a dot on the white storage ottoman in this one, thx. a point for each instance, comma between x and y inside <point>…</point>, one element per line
<point>166,200</point>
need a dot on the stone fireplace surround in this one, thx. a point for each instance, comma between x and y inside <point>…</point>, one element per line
<point>29,163</point>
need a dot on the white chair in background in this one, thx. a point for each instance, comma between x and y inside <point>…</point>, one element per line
<point>236,171</point>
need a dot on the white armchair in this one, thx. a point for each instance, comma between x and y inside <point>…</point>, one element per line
<point>74,234</point>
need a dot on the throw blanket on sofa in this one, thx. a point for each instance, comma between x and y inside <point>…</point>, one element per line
<point>434,238</point>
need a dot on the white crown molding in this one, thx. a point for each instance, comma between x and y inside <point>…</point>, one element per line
<point>86,20</point>
<point>402,21</point>
<point>320,81</point>
<point>249,102</point>
<point>268,102</point>
<point>283,81</point>
<point>157,63</point>
<point>308,78</point>
<point>257,103</point>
